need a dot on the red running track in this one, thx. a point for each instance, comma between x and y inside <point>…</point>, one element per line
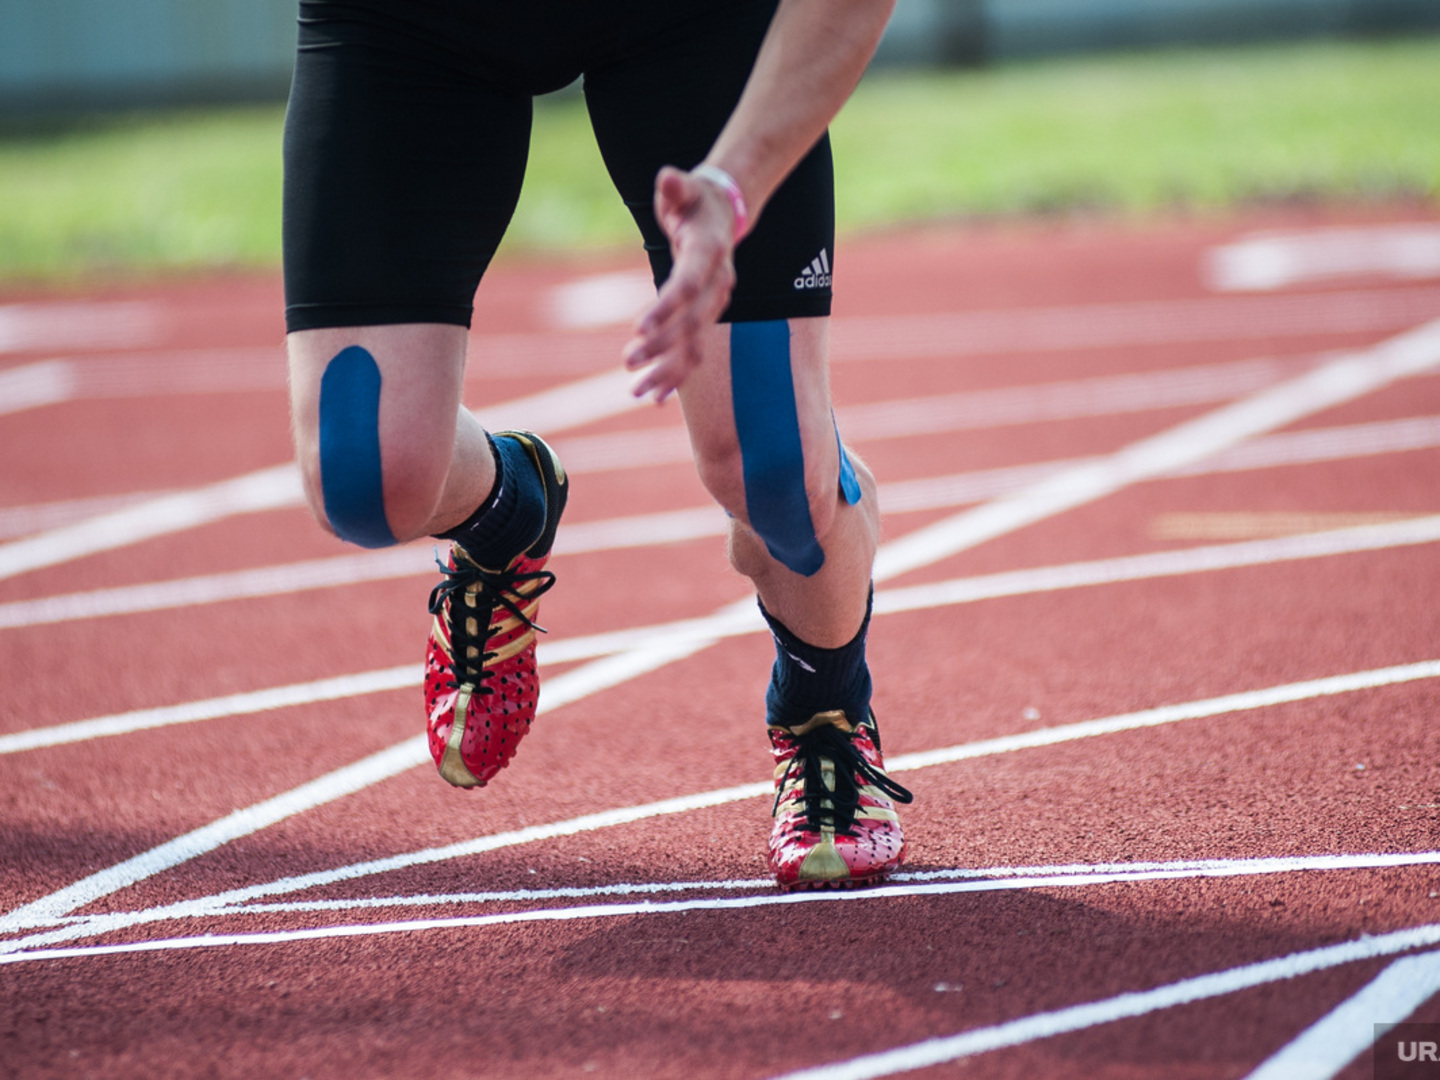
<point>1157,652</point>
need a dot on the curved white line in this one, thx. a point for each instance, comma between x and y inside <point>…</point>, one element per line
<point>987,879</point>
<point>934,1051</point>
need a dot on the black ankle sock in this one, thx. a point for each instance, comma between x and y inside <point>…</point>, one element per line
<point>807,679</point>
<point>512,516</point>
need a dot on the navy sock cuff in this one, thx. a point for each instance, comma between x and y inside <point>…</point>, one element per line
<point>807,679</point>
<point>512,516</point>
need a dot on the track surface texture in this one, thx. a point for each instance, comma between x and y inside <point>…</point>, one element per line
<point>1157,648</point>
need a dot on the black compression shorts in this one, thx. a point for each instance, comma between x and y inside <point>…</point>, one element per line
<point>409,125</point>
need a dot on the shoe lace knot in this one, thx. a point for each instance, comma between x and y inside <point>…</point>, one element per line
<point>824,807</point>
<point>510,589</point>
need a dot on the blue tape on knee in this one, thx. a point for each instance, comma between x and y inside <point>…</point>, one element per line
<point>350,449</point>
<point>772,459</point>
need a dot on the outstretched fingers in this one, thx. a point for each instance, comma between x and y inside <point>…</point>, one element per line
<point>699,220</point>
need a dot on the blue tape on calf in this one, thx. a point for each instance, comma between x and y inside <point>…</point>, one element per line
<point>773,461</point>
<point>350,449</point>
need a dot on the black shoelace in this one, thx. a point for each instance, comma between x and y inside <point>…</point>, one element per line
<point>830,742</point>
<point>492,588</point>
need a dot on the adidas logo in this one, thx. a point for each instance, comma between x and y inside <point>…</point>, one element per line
<point>817,274</point>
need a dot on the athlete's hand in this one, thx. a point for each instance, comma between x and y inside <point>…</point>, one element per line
<point>697,217</point>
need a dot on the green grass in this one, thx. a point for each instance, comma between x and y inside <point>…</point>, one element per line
<point>1129,135</point>
<point>1147,133</point>
<point>142,193</point>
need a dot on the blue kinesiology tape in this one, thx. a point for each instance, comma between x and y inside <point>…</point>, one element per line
<point>763,392</point>
<point>350,449</point>
<point>849,482</point>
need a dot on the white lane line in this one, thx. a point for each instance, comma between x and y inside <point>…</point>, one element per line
<point>340,571</point>
<point>1336,382</point>
<point>337,571</point>
<point>561,690</point>
<point>569,405</point>
<point>32,916</point>
<point>238,370</point>
<point>598,397</point>
<point>77,325</point>
<point>1288,448</point>
<point>906,337</point>
<point>1170,714</point>
<point>966,590</point>
<point>1007,881</point>
<point>1323,444</point>
<point>582,402</point>
<point>1328,1046</point>
<point>36,517</point>
<point>331,786</point>
<point>989,879</point>
<point>972,410</point>
<point>180,371</point>
<point>744,621</point>
<point>604,395</point>
<point>1211,557</point>
<point>1124,1006</point>
<point>267,489</point>
<point>986,878</point>
<point>1332,383</point>
<point>1095,326</point>
<point>930,1052</point>
<point>509,896</point>
<point>52,910</point>
<point>969,411</point>
<point>1276,260</point>
<point>200,371</point>
<point>277,487</point>
<point>242,704</point>
<point>1307,447</point>
<point>1258,865</point>
<point>1109,395</point>
<point>596,300</point>
<point>31,385</point>
<point>673,526</point>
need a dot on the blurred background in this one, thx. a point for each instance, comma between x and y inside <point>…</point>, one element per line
<point>140,135</point>
<point>87,54</point>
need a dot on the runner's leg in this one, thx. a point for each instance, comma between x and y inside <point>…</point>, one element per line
<point>805,526</point>
<point>825,608</point>
<point>403,167</point>
<point>834,814</point>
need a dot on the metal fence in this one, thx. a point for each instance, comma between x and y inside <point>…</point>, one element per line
<point>63,55</point>
<point>67,55</point>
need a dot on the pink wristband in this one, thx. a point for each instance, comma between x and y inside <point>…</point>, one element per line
<point>726,183</point>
